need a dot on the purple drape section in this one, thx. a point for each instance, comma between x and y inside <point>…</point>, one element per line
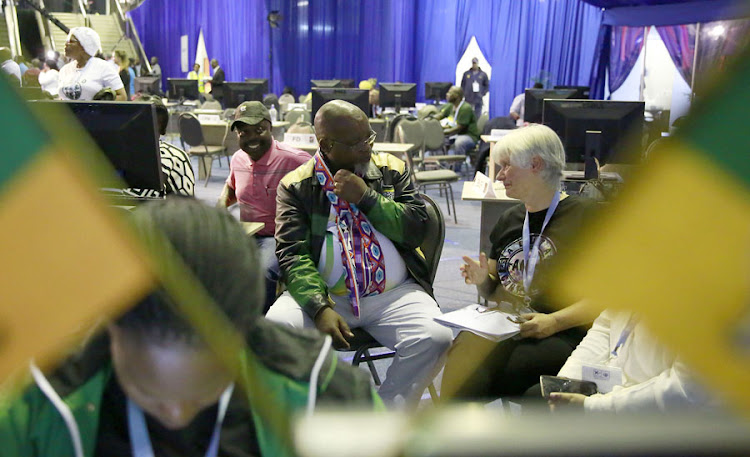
<point>626,46</point>
<point>392,40</point>
<point>680,42</point>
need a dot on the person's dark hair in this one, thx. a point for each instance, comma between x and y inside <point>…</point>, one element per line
<point>287,90</point>
<point>220,255</point>
<point>162,113</point>
<point>538,85</point>
<point>52,64</point>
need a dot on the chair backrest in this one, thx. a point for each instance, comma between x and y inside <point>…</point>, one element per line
<point>231,142</point>
<point>427,110</point>
<point>482,121</point>
<point>432,246</point>
<point>300,127</point>
<point>228,114</point>
<point>409,131</point>
<point>434,138</point>
<point>392,121</point>
<point>286,98</point>
<point>190,130</point>
<point>211,104</point>
<point>297,115</point>
<point>271,100</point>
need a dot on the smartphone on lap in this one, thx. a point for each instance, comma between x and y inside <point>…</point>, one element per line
<point>559,384</point>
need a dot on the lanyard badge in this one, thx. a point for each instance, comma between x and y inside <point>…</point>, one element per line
<point>531,258</point>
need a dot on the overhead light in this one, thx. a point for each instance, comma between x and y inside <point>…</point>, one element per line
<point>50,54</point>
<point>717,31</point>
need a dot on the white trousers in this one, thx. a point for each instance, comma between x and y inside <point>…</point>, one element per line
<point>400,319</point>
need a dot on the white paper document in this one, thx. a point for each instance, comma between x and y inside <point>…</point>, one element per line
<point>483,185</point>
<point>489,323</point>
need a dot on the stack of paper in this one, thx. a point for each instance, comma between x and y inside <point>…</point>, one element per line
<point>489,323</point>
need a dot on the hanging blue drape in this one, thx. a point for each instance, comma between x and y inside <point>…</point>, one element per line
<point>236,34</point>
<point>391,40</point>
<point>680,43</point>
<point>626,46</point>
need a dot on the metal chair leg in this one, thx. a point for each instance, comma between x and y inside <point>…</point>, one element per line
<point>455,216</point>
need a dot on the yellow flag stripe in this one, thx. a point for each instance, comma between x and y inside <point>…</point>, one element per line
<point>69,262</point>
<point>675,249</point>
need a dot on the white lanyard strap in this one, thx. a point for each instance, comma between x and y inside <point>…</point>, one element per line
<point>531,259</point>
<point>141,442</point>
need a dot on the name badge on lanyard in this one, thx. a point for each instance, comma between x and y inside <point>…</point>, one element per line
<point>531,258</point>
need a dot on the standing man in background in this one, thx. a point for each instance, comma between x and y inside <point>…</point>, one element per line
<point>475,85</point>
<point>217,82</point>
<point>196,74</point>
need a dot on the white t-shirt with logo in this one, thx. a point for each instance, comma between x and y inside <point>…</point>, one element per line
<point>83,83</point>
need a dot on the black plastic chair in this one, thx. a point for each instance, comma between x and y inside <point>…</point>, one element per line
<point>431,248</point>
<point>191,133</point>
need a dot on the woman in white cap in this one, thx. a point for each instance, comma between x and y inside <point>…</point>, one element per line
<point>85,75</point>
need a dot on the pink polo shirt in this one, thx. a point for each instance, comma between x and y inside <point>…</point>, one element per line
<point>255,182</point>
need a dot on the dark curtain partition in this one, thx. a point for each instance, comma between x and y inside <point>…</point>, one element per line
<point>391,40</point>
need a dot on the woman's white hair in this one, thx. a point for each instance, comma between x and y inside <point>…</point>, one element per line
<point>521,145</point>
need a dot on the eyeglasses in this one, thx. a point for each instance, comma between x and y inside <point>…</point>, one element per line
<point>369,142</point>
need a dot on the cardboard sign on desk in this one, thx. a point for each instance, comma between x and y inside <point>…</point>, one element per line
<point>483,185</point>
<point>300,138</point>
<point>209,118</point>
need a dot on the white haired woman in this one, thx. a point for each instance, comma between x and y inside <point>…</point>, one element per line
<point>524,243</point>
<point>85,75</point>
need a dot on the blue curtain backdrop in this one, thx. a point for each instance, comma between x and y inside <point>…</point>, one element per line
<point>392,40</point>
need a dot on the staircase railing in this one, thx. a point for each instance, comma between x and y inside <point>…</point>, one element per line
<point>126,24</point>
<point>11,20</point>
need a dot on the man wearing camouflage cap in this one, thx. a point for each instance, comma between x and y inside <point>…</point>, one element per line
<point>254,174</point>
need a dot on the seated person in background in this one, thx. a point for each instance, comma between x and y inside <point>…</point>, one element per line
<point>179,178</point>
<point>653,379</point>
<point>150,382</point>
<point>538,228</point>
<point>375,109</point>
<point>460,121</point>
<point>518,106</point>
<point>48,77</point>
<point>10,67</point>
<point>254,174</point>
<point>348,226</point>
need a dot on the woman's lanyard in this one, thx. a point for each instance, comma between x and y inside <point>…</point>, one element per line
<point>141,443</point>
<point>532,258</point>
<point>624,335</point>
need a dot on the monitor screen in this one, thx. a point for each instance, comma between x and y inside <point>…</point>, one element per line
<point>535,102</point>
<point>236,93</point>
<point>181,89</point>
<point>398,95</point>
<point>127,134</point>
<point>147,85</point>
<point>325,83</point>
<point>582,92</point>
<point>436,90</point>
<point>357,97</point>
<point>616,121</point>
<point>263,82</point>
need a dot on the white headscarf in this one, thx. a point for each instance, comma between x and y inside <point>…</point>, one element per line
<point>88,38</point>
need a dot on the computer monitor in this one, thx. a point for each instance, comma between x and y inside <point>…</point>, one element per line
<point>398,95</point>
<point>147,85</point>
<point>617,121</point>
<point>535,102</point>
<point>236,93</point>
<point>582,92</point>
<point>127,134</point>
<point>357,97</point>
<point>181,89</point>
<point>325,83</point>
<point>436,91</point>
<point>347,83</point>
<point>263,82</point>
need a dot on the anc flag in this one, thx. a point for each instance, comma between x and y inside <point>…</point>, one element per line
<point>71,260</point>
<point>675,247</point>
<point>67,258</point>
